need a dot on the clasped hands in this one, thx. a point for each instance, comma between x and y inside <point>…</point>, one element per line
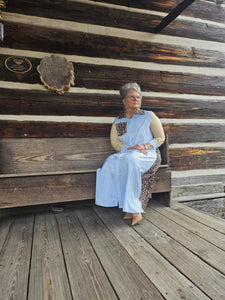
<point>141,148</point>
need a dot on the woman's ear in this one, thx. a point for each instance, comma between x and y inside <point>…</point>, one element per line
<point>124,102</point>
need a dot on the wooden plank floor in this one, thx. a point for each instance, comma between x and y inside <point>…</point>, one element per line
<point>89,252</point>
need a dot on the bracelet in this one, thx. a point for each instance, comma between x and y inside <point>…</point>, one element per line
<point>146,147</point>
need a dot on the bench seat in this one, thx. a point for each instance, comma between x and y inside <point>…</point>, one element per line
<point>43,171</point>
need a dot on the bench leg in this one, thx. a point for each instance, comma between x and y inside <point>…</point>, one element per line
<point>164,198</point>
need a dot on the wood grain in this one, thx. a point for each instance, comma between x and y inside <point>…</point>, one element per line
<point>195,133</point>
<point>14,262</point>
<point>197,158</point>
<point>207,251</point>
<point>52,155</point>
<point>132,20</point>
<point>128,281</point>
<point>159,271</point>
<point>214,237</point>
<point>5,224</point>
<point>58,188</point>
<point>21,101</point>
<point>32,129</point>
<point>179,256</point>
<point>112,77</point>
<point>48,274</point>
<point>215,223</point>
<point>94,45</point>
<point>87,278</point>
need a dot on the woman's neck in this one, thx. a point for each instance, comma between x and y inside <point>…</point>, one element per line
<point>130,113</point>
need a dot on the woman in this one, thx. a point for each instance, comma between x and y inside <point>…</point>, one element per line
<point>136,137</point>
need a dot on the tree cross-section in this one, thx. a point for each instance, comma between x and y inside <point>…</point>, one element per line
<point>172,15</point>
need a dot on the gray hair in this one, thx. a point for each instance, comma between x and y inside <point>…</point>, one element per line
<point>124,90</point>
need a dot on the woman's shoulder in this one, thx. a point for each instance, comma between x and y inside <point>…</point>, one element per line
<point>119,119</point>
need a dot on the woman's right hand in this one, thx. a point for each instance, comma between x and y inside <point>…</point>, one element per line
<point>138,147</point>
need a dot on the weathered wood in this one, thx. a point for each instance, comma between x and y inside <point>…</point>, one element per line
<point>178,133</point>
<point>86,13</point>
<point>53,155</point>
<point>39,156</point>
<point>211,235</point>
<point>112,77</point>
<point>158,271</point>
<point>35,129</point>
<point>207,11</point>
<point>198,176</point>
<point>204,249</point>
<point>5,224</point>
<point>48,277</point>
<point>188,263</point>
<point>198,9</point>
<point>195,133</point>
<point>86,276</point>
<point>205,197</point>
<point>114,17</point>
<point>14,259</point>
<point>197,189</point>
<point>122,250</point>
<point>21,101</point>
<point>185,108</point>
<point>197,158</point>
<point>94,45</point>
<point>56,73</point>
<point>44,189</point>
<point>128,281</point>
<point>175,12</point>
<point>30,102</point>
<point>210,221</point>
<point>214,206</point>
<point>151,5</point>
<point>38,171</point>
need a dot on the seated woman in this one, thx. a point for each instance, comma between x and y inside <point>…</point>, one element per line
<point>136,136</point>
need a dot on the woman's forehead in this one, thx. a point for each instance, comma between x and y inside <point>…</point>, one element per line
<point>133,92</point>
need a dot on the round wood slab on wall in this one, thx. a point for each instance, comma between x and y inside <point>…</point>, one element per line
<point>56,73</point>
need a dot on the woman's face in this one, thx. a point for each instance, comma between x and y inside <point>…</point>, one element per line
<point>133,100</point>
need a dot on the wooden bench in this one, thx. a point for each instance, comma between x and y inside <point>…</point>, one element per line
<point>53,170</point>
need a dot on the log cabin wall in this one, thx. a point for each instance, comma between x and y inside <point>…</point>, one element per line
<point>180,70</point>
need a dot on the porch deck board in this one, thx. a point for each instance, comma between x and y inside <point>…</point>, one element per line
<point>89,252</point>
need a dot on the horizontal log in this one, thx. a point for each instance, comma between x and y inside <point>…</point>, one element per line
<point>178,133</point>
<point>113,17</point>
<point>47,155</point>
<point>197,158</point>
<point>32,129</point>
<point>36,102</point>
<point>112,77</point>
<point>39,38</point>
<point>165,6</point>
<point>195,133</point>
<point>185,108</point>
<point>35,190</point>
<point>53,155</point>
<point>207,10</point>
<point>86,13</point>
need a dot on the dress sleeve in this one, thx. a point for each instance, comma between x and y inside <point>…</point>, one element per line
<point>157,130</point>
<point>115,141</point>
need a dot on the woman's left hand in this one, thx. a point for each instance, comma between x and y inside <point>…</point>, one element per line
<point>140,148</point>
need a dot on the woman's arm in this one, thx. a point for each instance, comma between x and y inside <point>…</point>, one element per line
<point>115,141</point>
<point>157,129</point>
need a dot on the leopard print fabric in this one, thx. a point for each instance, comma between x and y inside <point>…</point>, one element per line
<point>121,128</point>
<point>147,181</point>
